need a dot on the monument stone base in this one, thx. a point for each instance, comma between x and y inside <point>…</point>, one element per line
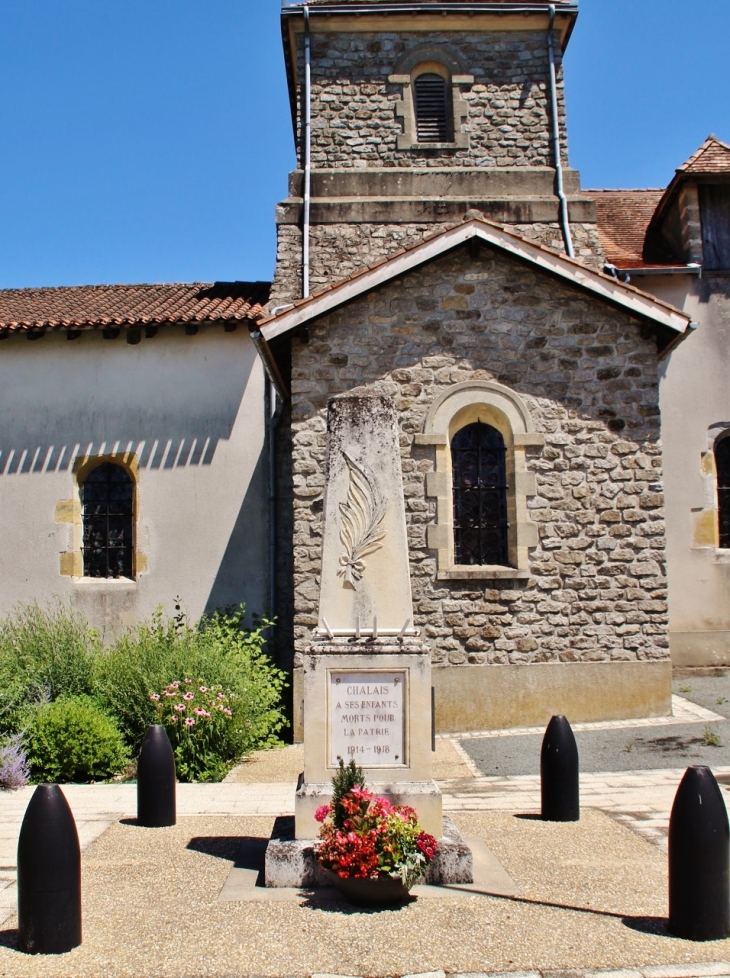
<point>292,862</point>
<point>368,701</point>
<point>424,796</point>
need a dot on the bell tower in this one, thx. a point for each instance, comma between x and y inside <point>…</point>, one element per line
<point>408,115</point>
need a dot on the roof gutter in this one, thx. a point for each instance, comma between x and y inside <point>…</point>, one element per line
<point>418,8</point>
<point>693,268</point>
<point>267,357</point>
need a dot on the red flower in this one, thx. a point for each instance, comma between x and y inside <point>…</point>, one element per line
<point>427,845</point>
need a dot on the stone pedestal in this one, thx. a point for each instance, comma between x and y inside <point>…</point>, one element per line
<point>291,862</point>
<point>368,701</point>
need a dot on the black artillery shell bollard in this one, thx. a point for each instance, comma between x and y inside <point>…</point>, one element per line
<point>156,780</point>
<point>699,895</point>
<point>559,773</point>
<point>49,875</point>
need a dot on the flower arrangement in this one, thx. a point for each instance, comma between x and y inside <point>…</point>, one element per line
<point>195,717</point>
<point>364,837</point>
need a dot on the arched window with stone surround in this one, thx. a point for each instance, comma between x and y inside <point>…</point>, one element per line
<point>497,431</point>
<point>107,517</point>
<point>722,467</point>
<point>479,484</point>
<point>432,109</point>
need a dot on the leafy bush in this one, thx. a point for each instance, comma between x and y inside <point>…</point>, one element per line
<point>49,655</point>
<point>44,653</point>
<point>219,653</point>
<point>72,739</point>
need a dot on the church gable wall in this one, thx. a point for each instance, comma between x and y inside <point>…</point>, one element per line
<point>354,106</point>
<point>596,589</point>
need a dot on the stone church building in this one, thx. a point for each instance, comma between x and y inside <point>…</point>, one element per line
<point>556,358</point>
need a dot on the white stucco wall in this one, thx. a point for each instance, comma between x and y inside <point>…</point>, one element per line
<point>695,406</point>
<point>190,408</point>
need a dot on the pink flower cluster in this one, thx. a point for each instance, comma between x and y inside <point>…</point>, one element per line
<point>205,704</point>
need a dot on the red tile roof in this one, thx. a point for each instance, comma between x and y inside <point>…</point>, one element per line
<point>89,306</point>
<point>712,159</point>
<point>713,156</point>
<point>622,218</point>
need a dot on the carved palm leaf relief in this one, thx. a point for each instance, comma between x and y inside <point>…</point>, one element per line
<point>362,513</point>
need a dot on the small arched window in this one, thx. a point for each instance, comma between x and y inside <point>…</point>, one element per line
<point>722,465</point>
<point>431,108</point>
<point>481,525</point>
<point>107,501</point>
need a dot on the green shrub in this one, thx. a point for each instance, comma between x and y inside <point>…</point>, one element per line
<point>72,739</point>
<point>220,653</point>
<point>44,653</point>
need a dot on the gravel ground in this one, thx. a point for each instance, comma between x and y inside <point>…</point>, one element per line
<point>285,764</point>
<point>594,896</point>
<point>269,766</point>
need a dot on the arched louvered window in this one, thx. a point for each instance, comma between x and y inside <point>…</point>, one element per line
<point>478,463</point>
<point>107,500</point>
<point>432,108</point>
<point>722,465</point>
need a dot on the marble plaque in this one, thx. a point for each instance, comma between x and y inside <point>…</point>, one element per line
<point>367,718</point>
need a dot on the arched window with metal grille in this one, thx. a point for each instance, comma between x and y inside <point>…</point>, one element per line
<point>433,123</point>
<point>107,501</point>
<point>722,466</point>
<point>481,525</point>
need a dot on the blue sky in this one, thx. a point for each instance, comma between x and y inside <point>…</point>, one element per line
<point>149,140</point>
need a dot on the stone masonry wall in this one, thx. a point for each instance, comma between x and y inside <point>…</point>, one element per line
<point>353,104</point>
<point>340,250</point>
<point>588,375</point>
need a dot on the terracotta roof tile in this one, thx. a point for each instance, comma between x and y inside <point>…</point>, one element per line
<point>89,306</point>
<point>713,156</point>
<point>622,218</point>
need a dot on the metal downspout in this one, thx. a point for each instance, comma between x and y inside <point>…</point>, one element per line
<point>307,151</point>
<point>273,414</point>
<point>564,220</point>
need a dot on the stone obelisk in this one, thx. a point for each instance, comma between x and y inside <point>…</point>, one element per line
<point>367,677</point>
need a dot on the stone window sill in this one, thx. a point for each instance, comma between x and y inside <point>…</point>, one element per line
<point>111,582</point>
<point>424,146</point>
<point>721,556</point>
<point>485,572</point>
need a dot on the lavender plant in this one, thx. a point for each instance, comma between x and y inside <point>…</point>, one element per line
<point>14,768</point>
